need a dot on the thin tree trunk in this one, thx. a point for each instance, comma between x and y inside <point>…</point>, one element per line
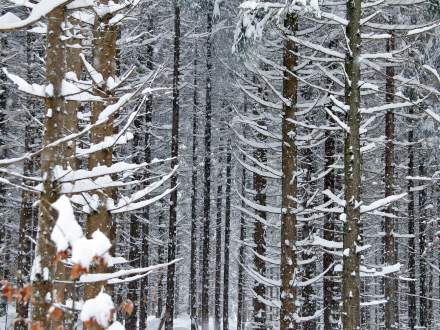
<point>330,280</point>
<point>24,260</point>
<point>174,153</point>
<point>227,236</point>
<point>412,311</point>
<point>241,255</point>
<point>51,157</point>
<point>423,271</point>
<point>207,171</point>
<point>143,308</point>
<point>288,266</point>
<point>193,271</point>
<point>390,282</point>
<point>218,247</point>
<point>352,172</point>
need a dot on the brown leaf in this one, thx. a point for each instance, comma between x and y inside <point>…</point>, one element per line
<point>127,307</point>
<point>8,291</point>
<point>55,313</point>
<point>77,271</point>
<point>36,326</point>
<point>62,255</point>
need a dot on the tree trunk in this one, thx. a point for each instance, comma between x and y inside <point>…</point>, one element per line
<point>288,266</point>
<point>390,282</point>
<point>143,307</point>
<point>174,153</point>
<point>227,236</point>
<point>412,311</point>
<point>241,254</point>
<point>218,246</point>
<point>207,171</point>
<point>423,270</point>
<point>352,172</point>
<point>104,60</point>
<point>51,157</point>
<point>193,271</point>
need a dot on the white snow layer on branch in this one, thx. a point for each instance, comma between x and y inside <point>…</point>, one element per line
<point>66,230</point>
<point>10,21</point>
<point>381,203</point>
<point>85,250</point>
<point>99,309</point>
<point>93,278</point>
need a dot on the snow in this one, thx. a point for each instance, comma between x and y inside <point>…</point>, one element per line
<point>11,22</point>
<point>99,309</point>
<point>66,230</point>
<point>84,250</point>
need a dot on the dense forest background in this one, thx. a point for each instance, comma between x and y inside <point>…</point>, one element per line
<point>218,164</point>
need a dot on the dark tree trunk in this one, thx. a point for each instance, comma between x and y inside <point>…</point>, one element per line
<point>227,237</point>
<point>207,170</point>
<point>193,270</point>
<point>352,172</point>
<point>218,247</point>
<point>390,282</point>
<point>172,230</point>
<point>412,311</point>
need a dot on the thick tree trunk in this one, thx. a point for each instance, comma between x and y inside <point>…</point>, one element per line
<point>104,61</point>
<point>218,246</point>
<point>193,270</point>
<point>227,236</point>
<point>174,153</point>
<point>51,157</point>
<point>352,172</point>
<point>390,282</point>
<point>288,266</point>
<point>207,171</point>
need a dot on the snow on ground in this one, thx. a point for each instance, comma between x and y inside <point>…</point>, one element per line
<point>182,323</point>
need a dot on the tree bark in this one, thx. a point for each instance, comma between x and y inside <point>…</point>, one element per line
<point>288,266</point>
<point>390,282</point>
<point>412,311</point>
<point>207,170</point>
<point>174,153</point>
<point>104,60</point>
<point>218,246</point>
<point>50,158</point>
<point>193,270</point>
<point>227,236</point>
<point>352,172</point>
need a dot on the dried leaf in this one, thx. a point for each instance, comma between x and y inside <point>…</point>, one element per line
<point>77,271</point>
<point>55,313</point>
<point>127,307</point>
<point>8,291</point>
<point>36,326</point>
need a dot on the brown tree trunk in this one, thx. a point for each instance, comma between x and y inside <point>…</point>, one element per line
<point>104,61</point>
<point>288,266</point>
<point>352,172</point>
<point>174,153</point>
<point>51,157</point>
